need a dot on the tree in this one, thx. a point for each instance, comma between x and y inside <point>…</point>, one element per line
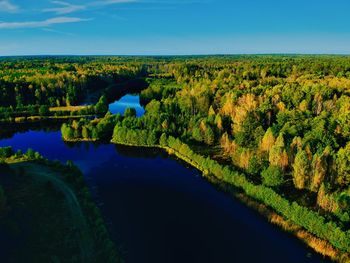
<point>153,107</point>
<point>301,169</point>
<point>343,165</point>
<point>163,140</point>
<point>102,105</point>
<point>209,136</point>
<point>19,101</point>
<point>85,132</point>
<point>272,176</point>
<point>130,112</point>
<point>152,138</point>
<point>30,154</point>
<point>267,141</point>
<point>197,134</point>
<point>6,152</point>
<point>67,132</point>
<point>319,167</point>
<point>278,155</point>
<point>255,165</point>
<point>250,131</point>
<point>44,110</point>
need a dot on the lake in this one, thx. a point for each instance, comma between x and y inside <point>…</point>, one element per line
<point>160,210</point>
<point>127,101</point>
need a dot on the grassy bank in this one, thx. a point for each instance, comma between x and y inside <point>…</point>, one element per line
<point>68,108</point>
<point>33,119</point>
<point>61,222</point>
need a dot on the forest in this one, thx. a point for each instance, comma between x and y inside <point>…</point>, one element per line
<point>275,127</point>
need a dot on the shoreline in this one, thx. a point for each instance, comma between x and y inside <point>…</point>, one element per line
<point>273,217</point>
<point>320,246</point>
<point>35,119</point>
<point>317,244</point>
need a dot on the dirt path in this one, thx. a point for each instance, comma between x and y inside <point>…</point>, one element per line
<point>43,173</point>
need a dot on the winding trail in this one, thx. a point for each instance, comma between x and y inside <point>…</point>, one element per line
<point>43,173</point>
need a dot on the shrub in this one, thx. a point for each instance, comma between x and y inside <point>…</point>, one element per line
<point>272,176</point>
<point>6,152</point>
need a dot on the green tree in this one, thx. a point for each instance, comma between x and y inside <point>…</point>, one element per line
<point>163,141</point>
<point>255,165</point>
<point>250,132</point>
<point>44,110</point>
<point>197,134</point>
<point>301,169</point>
<point>272,176</point>
<point>67,132</point>
<point>209,136</point>
<point>6,152</point>
<point>130,112</point>
<point>343,165</point>
<point>102,105</point>
<point>30,154</point>
<point>85,132</point>
<point>278,155</point>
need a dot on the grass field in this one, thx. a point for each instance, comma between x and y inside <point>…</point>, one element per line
<point>68,108</point>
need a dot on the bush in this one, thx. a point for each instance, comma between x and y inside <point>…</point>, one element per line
<point>130,112</point>
<point>272,176</point>
<point>6,152</point>
<point>30,154</point>
<point>44,110</point>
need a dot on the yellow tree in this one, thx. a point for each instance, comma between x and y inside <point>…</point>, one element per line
<point>278,155</point>
<point>319,167</point>
<point>267,141</point>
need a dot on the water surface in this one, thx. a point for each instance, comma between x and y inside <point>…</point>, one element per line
<point>127,101</point>
<point>159,210</point>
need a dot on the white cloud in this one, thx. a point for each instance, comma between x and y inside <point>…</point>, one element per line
<point>7,6</point>
<point>44,23</point>
<point>57,31</point>
<point>118,1</point>
<point>112,2</point>
<point>65,8</point>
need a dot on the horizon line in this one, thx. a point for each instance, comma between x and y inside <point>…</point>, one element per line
<point>180,55</point>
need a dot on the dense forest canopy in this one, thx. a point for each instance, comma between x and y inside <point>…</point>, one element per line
<point>58,82</point>
<point>283,120</point>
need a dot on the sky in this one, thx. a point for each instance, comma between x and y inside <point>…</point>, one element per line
<point>173,27</point>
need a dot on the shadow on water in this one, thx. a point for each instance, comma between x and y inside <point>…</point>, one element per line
<point>162,211</point>
<point>138,152</point>
<point>9,130</point>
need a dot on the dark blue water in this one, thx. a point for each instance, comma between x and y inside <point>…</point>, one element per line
<point>127,101</point>
<point>160,211</point>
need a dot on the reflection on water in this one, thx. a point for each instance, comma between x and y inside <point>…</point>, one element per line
<point>127,101</point>
<point>160,211</point>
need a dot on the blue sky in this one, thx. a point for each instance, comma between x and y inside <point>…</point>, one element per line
<point>147,27</point>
